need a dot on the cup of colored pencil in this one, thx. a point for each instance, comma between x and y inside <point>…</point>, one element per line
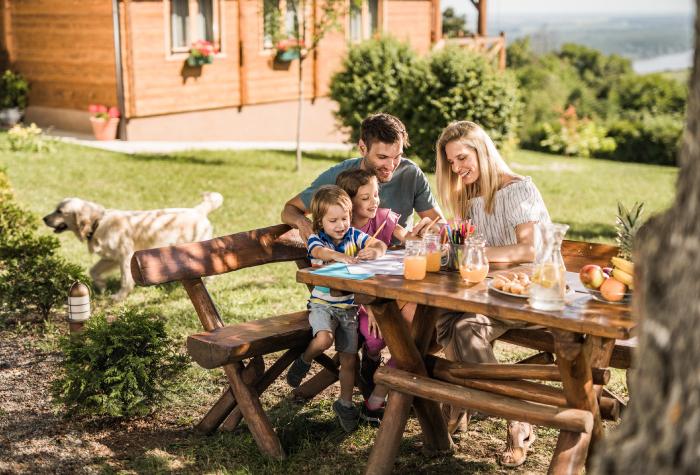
<point>453,235</point>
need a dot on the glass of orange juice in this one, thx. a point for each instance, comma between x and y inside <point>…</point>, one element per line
<point>433,251</point>
<point>473,264</point>
<point>414,261</point>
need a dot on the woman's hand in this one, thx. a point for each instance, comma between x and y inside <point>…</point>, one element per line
<point>422,227</point>
<point>372,325</point>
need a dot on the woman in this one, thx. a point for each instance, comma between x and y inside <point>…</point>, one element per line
<point>474,182</point>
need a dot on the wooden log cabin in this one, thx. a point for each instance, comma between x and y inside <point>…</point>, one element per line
<point>131,54</point>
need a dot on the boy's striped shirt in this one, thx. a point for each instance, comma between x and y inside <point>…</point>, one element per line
<point>352,236</point>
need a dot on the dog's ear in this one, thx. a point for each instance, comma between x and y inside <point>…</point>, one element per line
<point>85,219</point>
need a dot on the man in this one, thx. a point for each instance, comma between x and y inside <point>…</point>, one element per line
<point>403,187</point>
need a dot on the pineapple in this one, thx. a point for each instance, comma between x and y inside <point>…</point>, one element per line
<point>627,223</point>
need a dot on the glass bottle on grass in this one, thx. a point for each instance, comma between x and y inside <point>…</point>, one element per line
<point>549,275</point>
<point>414,261</point>
<point>473,264</point>
<point>433,251</point>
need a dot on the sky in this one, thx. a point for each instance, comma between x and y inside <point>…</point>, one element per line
<point>566,7</point>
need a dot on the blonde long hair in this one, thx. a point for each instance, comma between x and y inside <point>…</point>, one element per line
<point>455,197</point>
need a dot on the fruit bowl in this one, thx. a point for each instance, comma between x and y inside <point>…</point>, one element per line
<point>596,294</point>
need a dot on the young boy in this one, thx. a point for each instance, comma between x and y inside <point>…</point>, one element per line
<point>334,317</point>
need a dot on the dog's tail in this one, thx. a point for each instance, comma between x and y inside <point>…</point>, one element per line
<point>210,201</point>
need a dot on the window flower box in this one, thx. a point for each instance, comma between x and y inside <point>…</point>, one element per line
<point>289,49</point>
<point>202,52</point>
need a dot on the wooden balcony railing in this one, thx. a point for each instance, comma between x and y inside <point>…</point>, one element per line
<point>493,47</point>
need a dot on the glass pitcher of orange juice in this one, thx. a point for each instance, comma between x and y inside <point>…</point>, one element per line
<point>549,275</point>
<point>414,261</point>
<point>433,251</point>
<point>473,264</point>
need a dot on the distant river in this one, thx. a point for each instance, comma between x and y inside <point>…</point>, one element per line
<point>667,62</point>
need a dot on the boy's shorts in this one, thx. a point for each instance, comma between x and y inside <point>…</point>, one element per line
<point>341,322</point>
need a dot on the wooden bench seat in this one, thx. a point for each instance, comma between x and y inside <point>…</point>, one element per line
<point>226,347</point>
<point>233,343</point>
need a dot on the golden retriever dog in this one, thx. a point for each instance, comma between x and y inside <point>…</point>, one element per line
<point>115,235</point>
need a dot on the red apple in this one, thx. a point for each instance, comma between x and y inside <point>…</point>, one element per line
<point>592,276</point>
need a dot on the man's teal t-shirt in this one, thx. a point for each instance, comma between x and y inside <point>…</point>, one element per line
<point>408,189</point>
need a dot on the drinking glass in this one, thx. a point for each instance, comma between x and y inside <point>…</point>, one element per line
<point>473,264</point>
<point>433,251</point>
<point>414,261</point>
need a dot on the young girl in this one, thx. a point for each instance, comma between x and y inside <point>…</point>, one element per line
<point>363,188</point>
<point>334,317</point>
<point>474,182</point>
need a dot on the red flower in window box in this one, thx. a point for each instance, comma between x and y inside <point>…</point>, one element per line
<point>289,49</point>
<point>201,52</point>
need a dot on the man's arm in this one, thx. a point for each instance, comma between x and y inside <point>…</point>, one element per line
<point>294,214</point>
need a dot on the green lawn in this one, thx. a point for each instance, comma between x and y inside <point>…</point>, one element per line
<point>580,192</point>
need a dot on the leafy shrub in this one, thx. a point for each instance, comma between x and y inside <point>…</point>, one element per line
<point>5,189</point>
<point>461,85</point>
<point>653,93</point>
<point>123,368</point>
<point>375,77</point>
<point>14,90</point>
<point>647,139</point>
<point>28,139</point>
<point>576,137</point>
<point>32,277</point>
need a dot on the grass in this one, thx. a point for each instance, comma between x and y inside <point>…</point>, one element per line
<point>255,184</point>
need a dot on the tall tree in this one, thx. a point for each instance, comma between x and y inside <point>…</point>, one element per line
<point>312,20</point>
<point>660,432</point>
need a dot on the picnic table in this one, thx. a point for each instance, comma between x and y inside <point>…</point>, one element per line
<point>584,334</point>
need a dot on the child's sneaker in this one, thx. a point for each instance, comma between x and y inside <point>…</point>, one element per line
<point>372,416</point>
<point>347,416</point>
<point>297,372</point>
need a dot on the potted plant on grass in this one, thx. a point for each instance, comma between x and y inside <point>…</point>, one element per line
<point>202,52</point>
<point>104,121</point>
<point>13,97</point>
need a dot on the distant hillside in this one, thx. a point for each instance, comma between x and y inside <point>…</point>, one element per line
<point>633,37</point>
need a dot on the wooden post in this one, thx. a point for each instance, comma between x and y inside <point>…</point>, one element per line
<point>574,361</point>
<point>481,5</point>
<point>78,307</point>
<point>502,52</point>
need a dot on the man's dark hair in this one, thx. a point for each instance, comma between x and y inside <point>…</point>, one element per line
<point>383,128</point>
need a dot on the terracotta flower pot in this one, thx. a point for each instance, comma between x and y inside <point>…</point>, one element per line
<point>105,129</point>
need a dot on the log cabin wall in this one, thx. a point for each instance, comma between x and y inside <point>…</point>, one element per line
<point>65,49</point>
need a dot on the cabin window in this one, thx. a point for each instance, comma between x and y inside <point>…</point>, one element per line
<point>363,20</point>
<point>279,20</point>
<point>193,20</point>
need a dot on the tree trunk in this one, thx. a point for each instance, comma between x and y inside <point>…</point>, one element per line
<point>660,432</point>
<point>300,105</point>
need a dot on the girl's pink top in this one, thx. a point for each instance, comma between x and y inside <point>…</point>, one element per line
<point>383,214</point>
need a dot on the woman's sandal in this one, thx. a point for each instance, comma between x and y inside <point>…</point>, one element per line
<point>519,441</point>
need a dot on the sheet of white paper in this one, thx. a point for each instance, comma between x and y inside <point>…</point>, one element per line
<point>389,264</point>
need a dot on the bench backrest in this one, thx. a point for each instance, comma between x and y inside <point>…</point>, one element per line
<point>216,256</point>
<point>579,253</point>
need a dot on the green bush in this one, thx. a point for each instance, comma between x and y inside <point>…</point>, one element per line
<point>647,139</point>
<point>33,278</point>
<point>461,85</point>
<point>653,93</point>
<point>123,368</point>
<point>14,90</point>
<point>581,139</point>
<point>375,77</point>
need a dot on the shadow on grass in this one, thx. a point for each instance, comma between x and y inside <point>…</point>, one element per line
<point>188,159</point>
<point>590,231</point>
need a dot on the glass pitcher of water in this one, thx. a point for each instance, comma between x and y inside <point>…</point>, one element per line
<point>549,275</point>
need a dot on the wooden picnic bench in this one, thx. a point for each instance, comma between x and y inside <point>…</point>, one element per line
<point>239,349</point>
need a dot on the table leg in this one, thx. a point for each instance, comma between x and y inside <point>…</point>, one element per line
<point>405,352</point>
<point>574,362</point>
